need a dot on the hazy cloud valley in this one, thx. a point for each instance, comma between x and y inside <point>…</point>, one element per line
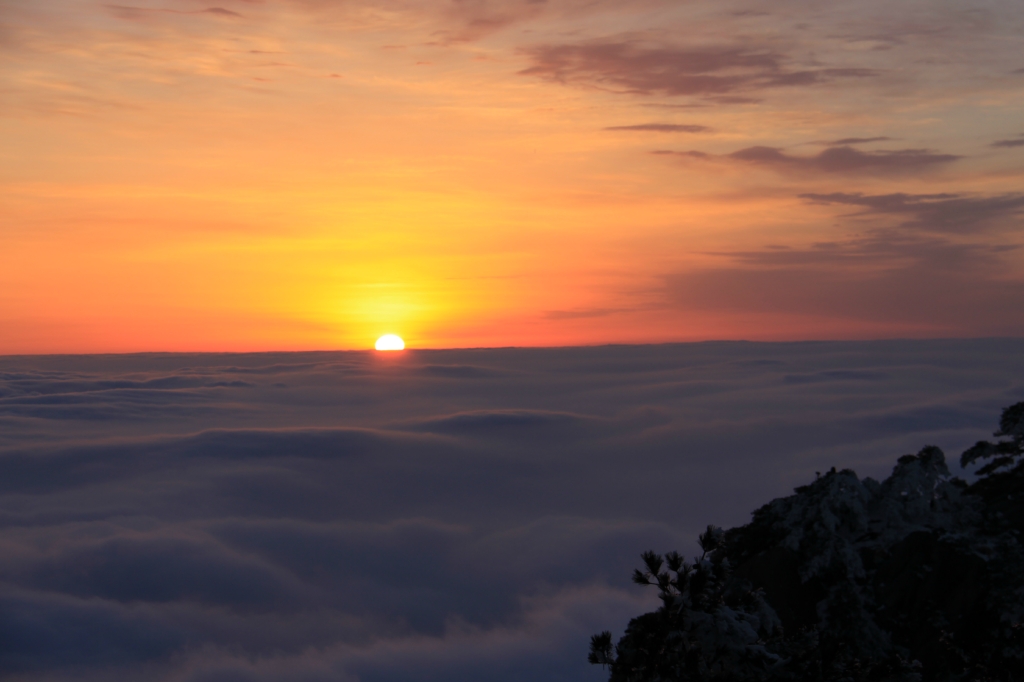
<point>437,515</point>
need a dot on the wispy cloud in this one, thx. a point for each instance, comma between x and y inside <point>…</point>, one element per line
<point>662,128</point>
<point>839,160</point>
<point>932,262</point>
<point>585,313</point>
<point>220,11</point>
<point>635,67</point>
<point>1013,142</point>
<point>926,285</point>
<point>134,12</point>
<point>948,213</point>
<point>856,140</point>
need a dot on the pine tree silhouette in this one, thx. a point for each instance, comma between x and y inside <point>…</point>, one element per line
<point>1005,452</point>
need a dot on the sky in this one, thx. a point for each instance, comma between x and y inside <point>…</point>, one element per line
<point>437,515</point>
<point>251,175</point>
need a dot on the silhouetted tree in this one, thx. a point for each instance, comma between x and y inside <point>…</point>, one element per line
<point>1005,452</point>
<point>917,578</point>
<point>706,628</point>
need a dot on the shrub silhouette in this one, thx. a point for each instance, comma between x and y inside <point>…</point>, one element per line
<point>917,578</point>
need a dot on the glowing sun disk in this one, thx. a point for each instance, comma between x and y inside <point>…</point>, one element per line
<point>390,342</point>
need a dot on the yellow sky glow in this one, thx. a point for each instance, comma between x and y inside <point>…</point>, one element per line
<point>293,175</point>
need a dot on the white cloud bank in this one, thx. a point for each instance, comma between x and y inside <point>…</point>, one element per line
<point>443,515</point>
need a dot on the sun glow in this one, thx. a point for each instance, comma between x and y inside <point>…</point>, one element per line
<point>390,342</point>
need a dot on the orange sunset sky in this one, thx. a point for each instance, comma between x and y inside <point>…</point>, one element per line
<point>296,174</point>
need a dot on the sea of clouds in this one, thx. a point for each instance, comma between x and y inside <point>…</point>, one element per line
<point>431,515</point>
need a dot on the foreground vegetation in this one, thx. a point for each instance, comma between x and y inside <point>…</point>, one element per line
<point>917,578</point>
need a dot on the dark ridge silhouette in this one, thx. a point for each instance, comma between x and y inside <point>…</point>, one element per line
<point>919,578</point>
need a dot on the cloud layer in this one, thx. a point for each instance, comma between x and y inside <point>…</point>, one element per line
<point>632,66</point>
<point>929,263</point>
<point>941,213</point>
<point>443,515</point>
<point>834,160</point>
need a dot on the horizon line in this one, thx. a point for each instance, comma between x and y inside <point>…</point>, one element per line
<point>371,350</point>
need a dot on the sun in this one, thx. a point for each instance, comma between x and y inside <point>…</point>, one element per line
<point>390,342</point>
